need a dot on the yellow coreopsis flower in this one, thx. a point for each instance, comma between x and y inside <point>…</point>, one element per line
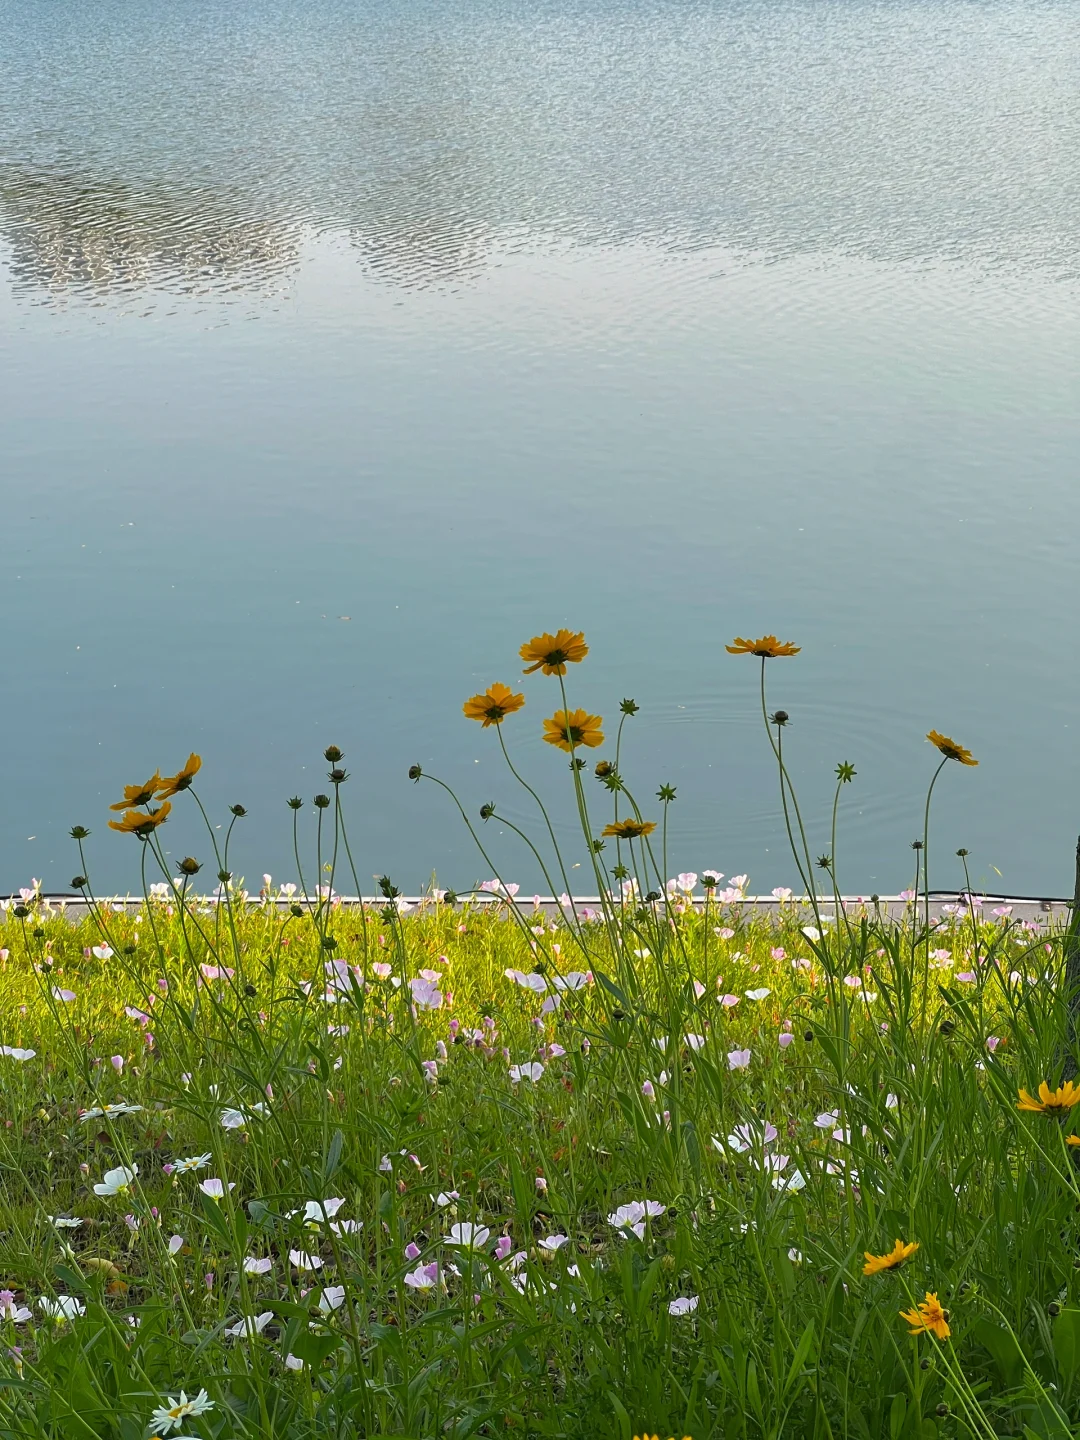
<point>630,829</point>
<point>568,729</point>
<point>890,1261</point>
<point>551,653</point>
<point>173,784</point>
<point>493,706</point>
<point>139,794</point>
<point>767,648</point>
<point>950,749</point>
<point>928,1317</point>
<point>1050,1102</point>
<point>141,822</point>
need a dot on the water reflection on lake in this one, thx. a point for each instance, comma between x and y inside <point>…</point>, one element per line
<point>346,347</point>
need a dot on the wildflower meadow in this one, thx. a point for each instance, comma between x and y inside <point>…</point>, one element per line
<point>655,1163</point>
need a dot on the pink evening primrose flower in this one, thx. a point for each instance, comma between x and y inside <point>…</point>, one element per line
<point>214,1189</point>
<point>683,1305</point>
<point>423,1278</point>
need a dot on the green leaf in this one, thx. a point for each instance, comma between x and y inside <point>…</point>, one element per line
<point>1067,1346</point>
<point>333,1154</point>
<point>214,1218</point>
<point>1003,1349</point>
<point>622,1419</point>
<point>692,1145</point>
<point>71,1279</point>
<point>802,1353</point>
<point>313,1349</point>
<point>612,989</point>
<point>897,1413</point>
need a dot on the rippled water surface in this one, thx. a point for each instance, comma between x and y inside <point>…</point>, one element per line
<point>345,346</point>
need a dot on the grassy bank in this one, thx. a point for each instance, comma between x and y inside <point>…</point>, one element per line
<point>728,1045</point>
<point>669,1168</point>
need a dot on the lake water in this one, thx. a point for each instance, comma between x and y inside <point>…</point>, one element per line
<point>344,346</point>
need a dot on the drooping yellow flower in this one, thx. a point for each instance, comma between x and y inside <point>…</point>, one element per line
<point>950,749</point>
<point>493,706</point>
<point>928,1318</point>
<point>630,829</point>
<point>139,794</point>
<point>1050,1102</point>
<point>173,784</point>
<point>551,653</point>
<point>578,727</point>
<point>894,1258</point>
<point>1072,1139</point>
<point>141,822</point>
<point>768,647</point>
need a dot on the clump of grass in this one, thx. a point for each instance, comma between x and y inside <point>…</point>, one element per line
<point>275,1165</point>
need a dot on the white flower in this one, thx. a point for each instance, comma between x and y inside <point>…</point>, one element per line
<point>346,1227</point>
<point>17,1314</point>
<point>250,1325</point>
<point>795,1256</point>
<point>738,1059</point>
<point>775,1163</point>
<point>747,1135</point>
<point>795,1181</point>
<point>121,1107</point>
<point>318,1210</point>
<point>118,1181</point>
<point>758,994</point>
<point>696,1042</point>
<point>254,1265</point>
<point>173,1415</point>
<point>552,1243</point>
<point>103,952</point>
<point>332,1298</point>
<point>14,1053</point>
<point>424,1277</point>
<point>214,1189</point>
<point>530,1071</point>
<point>827,1119</point>
<point>193,1162</point>
<point>176,1244</point>
<point>443,1199</point>
<point>233,1118</point>
<point>632,1216</point>
<point>468,1236</point>
<point>573,980</point>
<point>533,982</point>
<point>64,1307</point>
<point>683,1305</point>
<point>303,1261</point>
<point>64,1222</point>
<point>292,1363</point>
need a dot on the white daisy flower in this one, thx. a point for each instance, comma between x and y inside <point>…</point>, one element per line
<point>173,1415</point>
